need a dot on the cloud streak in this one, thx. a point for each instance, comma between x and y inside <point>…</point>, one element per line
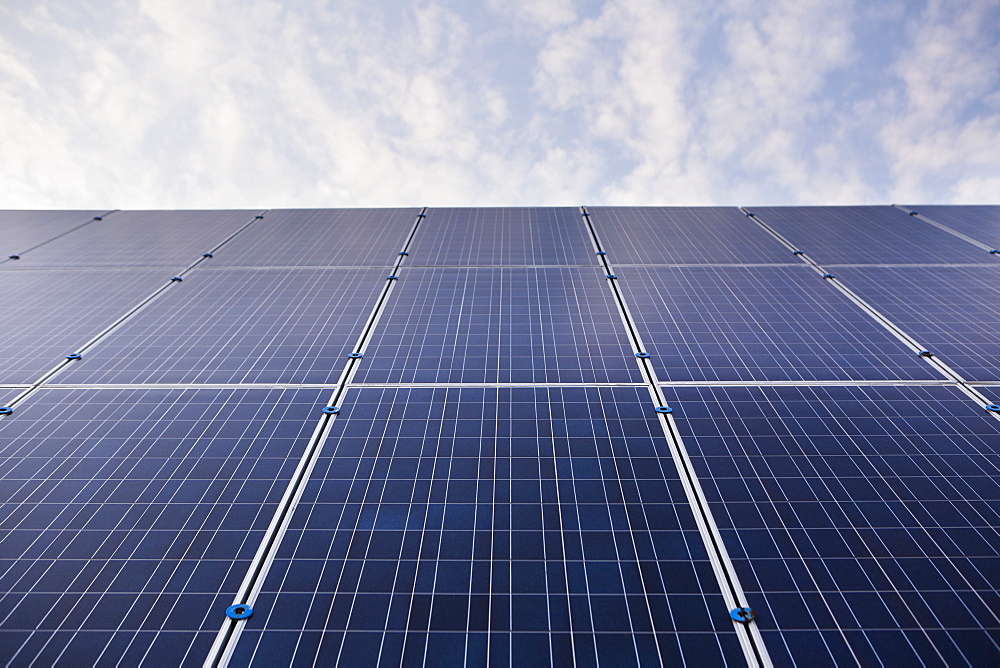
<point>226,104</point>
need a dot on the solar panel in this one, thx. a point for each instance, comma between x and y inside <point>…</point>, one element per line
<point>683,235</point>
<point>130,517</point>
<point>23,230</point>
<point>981,222</point>
<point>321,237</point>
<point>140,238</point>
<point>954,312</point>
<point>492,526</point>
<point>48,314</point>
<point>508,325</point>
<point>759,324</point>
<point>239,326</point>
<point>862,520</point>
<point>867,235</point>
<point>502,236</point>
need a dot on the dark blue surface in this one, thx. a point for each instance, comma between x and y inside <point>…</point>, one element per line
<point>129,517</point>
<point>47,315</point>
<point>510,325</point>
<point>981,222</point>
<point>502,236</point>
<point>239,326</point>
<point>867,235</point>
<point>170,239</point>
<point>862,520</point>
<point>759,323</point>
<point>683,235</point>
<point>953,312</point>
<point>21,230</point>
<point>485,526</point>
<point>320,237</point>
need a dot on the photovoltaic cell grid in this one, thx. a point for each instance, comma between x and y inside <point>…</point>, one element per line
<point>862,520</point>
<point>680,235</point>
<point>867,235</point>
<point>982,222</point>
<point>507,325</point>
<point>321,237</point>
<point>170,239</point>
<point>21,230</point>
<point>759,324</point>
<point>502,236</point>
<point>130,517</point>
<point>239,326</point>
<point>954,312</point>
<point>49,314</point>
<point>492,526</point>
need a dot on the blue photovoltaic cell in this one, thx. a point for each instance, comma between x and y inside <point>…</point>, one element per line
<point>502,236</point>
<point>507,325</point>
<point>48,314</point>
<point>953,312</point>
<point>981,222</point>
<point>171,239</point>
<point>22,230</point>
<point>759,324</point>
<point>683,235</point>
<point>477,526</point>
<point>129,517</point>
<point>867,235</point>
<point>239,326</point>
<point>321,237</point>
<point>862,521</point>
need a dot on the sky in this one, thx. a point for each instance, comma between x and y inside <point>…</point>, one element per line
<point>219,104</point>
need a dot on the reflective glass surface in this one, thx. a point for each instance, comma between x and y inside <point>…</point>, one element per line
<point>321,238</point>
<point>981,222</point>
<point>502,236</point>
<point>128,518</point>
<point>862,520</point>
<point>683,235</point>
<point>21,231</point>
<point>240,326</point>
<point>759,324</point>
<point>487,527</point>
<point>510,325</point>
<point>953,312</point>
<point>867,235</point>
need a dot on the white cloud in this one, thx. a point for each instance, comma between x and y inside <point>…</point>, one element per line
<point>227,104</point>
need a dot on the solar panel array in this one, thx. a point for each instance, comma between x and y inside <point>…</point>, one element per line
<point>521,436</point>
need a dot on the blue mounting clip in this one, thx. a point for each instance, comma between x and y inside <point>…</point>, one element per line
<point>914,213</point>
<point>926,353</point>
<point>742,615</point>
<point>798,252</point>
<point>207,255</point>
<point>331,410</point>
<point>177,278</point>
<point>995,252</point>
<point>611,276</point>
<point>642,355</point>
<point>258,217</point>
<point>355,356</point>
<point>990,407</point>
<point>392,277</point>
<point>664,409</point>
<point>6,410</point>
<point>421,215</point>
<point>74,356</point>
<point>829,276</point>
<point>98,218</point>
<point>239,611</point>
<point>601,253</point>
<point>404,252</point>
<point>14,257</point>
